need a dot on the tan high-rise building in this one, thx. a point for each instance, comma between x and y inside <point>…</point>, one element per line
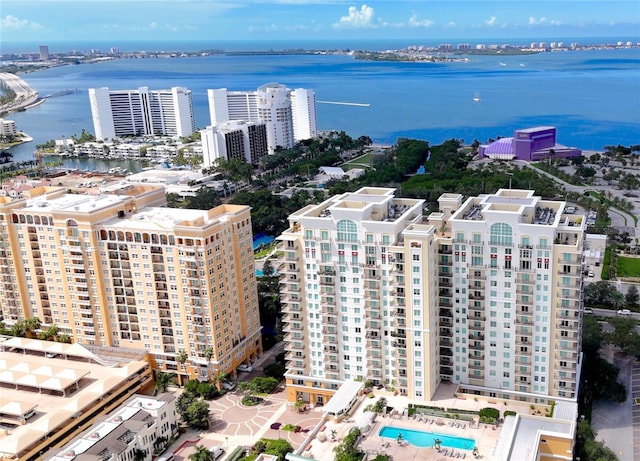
<point>485,293</point>
<point>119,269</point>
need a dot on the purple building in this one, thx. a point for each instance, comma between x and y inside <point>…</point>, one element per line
<point>531,144</point>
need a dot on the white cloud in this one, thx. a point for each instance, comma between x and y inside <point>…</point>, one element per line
<point>533,21</point>
<point>415,22</point>
<point>450,25</point>
<point>491,21</point>
<point>13,23</point>
<point>358,19</point>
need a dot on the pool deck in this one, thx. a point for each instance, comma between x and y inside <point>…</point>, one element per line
<point>486,436</point>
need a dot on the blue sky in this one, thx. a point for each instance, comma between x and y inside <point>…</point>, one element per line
<point>118,20</point>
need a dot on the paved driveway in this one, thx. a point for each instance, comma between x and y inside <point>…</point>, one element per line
<point>233,424</point>
<point>616,425</point>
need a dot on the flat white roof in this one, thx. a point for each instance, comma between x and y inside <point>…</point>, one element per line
<point>341,401</point>
<point>157,218</point>
<point>72,202</point>
<point>521,435</point>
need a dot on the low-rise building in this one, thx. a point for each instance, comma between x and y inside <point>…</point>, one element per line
<point>51,391</point>
<point>141,424</point>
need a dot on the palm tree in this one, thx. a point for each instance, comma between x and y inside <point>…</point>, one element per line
<point>219,378</point>
<point>31,325</point>
<point>163,381</point>
<point>50,333</point>
<point>64,338</point>
<point>19,329</point>
<point>201,453</point>
<point>181,358</point>
<point>208,354</point>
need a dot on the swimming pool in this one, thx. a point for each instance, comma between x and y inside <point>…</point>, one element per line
<point>427,439</point>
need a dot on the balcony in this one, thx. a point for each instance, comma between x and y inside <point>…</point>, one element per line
<point>476,336</point>
<point>573,337</point>
<point>446,342</point>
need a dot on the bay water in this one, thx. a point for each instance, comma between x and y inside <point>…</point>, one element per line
<point>591,96</point>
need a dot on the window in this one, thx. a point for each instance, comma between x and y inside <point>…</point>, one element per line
<point>501,234</point>
<point>347,231</point>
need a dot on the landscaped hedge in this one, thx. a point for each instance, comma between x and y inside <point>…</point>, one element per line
<point>490,412</point>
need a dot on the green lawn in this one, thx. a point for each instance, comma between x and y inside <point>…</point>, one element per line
<point>628,267</point>
<point>365,159</point>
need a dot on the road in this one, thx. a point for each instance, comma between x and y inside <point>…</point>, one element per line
<point>612,313</point>
<point>25,95</point>
<point>618,218</point>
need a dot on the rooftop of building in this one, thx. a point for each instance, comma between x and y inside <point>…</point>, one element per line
<point>71,203</point>
<point>114,431</point>
<point>525,433</point>
<point>55,381</point>
<point>164,219</point>
<point>374,203</point>
<point>527,207</point>
<point>535,129</point>
<point>164,176</point>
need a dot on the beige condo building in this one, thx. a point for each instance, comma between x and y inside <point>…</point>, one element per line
<point>485,293</point>
<point>121,270</point>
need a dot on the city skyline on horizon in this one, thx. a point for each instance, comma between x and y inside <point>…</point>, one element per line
<point>281,20</point>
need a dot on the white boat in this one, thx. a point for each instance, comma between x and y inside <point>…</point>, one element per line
<point>476,97</point>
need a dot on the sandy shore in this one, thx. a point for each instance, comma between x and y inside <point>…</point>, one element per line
<point>25,95</point>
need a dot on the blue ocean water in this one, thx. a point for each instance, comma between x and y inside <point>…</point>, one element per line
<point>592,97</point>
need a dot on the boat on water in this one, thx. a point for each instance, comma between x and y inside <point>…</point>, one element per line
<point>476,97</point>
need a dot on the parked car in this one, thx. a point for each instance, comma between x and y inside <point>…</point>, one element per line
<point>624,312</point>
<point>590,274</point>
<point>217,452</point>
<point>229,385</point>
<point>245,368</point>
<point>588,310</point>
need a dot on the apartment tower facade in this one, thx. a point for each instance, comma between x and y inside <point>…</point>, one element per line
<point>234,140</point>
<point>118,113</point>
<point>485,293</point>
<point>289,115</point>
<point>119,269</point>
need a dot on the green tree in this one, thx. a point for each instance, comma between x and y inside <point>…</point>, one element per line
<point>632,296</point>
<point>183,402</point>
<point>624,335</point>
<point>278,447</point>
<point>31,325</point>
<point>50,333</point>
<point>197,414</point>
<point>208,354</point>
<point>63,338</point>
<point>591,336</point>
<point>205,199</point>
<point>588,448</point>
<point>346,450</point>
<point>163,381</point>
<point>181,358</point>
<point>201,453</point>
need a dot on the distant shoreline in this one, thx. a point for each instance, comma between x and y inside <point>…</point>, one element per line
<point>21,63</point>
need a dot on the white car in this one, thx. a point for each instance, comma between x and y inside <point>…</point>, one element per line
<point>217,452</point>
<point>590,274</point>
<point>229,385</point>
<point>624,312</point>
<point>245,368</point>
